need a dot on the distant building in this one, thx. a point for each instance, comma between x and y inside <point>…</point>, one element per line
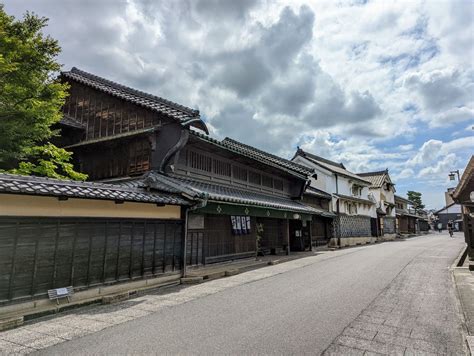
<point>406,218</point>
<point>450,212</point>
<point>448,196</point>
<point>383,190</point>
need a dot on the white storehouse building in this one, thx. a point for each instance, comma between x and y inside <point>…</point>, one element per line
<point>352,201</point>
<point>383,190</point>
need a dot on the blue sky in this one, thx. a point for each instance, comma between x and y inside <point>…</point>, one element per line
<point>373,84</point>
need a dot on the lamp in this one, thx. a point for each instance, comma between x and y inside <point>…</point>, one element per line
<point>452,175</point>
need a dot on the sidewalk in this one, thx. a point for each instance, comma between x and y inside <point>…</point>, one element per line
<point>234,267</point>
<point>464,279</point>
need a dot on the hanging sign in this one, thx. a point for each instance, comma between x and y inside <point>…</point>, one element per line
<point>240,225</point>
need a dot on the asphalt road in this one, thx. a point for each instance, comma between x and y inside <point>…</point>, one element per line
<point>301,311</point>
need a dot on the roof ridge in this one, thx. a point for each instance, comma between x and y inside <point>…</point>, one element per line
<point>316,157</point>
<point>304,170</point>
<point>267,153</point>
<point>385,171</point>
<point>131,90</point>
<point>37,179</point>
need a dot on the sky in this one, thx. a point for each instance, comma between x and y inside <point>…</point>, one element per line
<point>371,84</point>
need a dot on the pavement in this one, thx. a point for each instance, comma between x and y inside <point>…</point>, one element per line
<point>390,298</point>
<point>464,279</point>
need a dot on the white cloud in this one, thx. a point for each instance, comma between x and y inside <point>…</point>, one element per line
<point>354,82</point>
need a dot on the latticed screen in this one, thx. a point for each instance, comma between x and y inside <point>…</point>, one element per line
<point>199,161</point>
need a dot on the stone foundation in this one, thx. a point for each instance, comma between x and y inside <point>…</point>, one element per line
<point>352,241</point>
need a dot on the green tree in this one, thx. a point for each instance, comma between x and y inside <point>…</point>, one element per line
<point>30,99</point>
<point>415,197</point>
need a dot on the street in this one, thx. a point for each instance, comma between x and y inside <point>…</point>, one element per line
<point>394,297</point>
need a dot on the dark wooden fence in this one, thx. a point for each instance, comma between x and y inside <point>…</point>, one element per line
<point>217,243</point>
<point>37,254</point>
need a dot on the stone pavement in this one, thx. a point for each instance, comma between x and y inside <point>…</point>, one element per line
<point>465,286</point>
<point>417,314</point>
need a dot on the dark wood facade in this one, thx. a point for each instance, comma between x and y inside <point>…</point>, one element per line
<point>122,139</point>
<point>37,254</point>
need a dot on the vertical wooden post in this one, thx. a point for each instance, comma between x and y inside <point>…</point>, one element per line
<point>143,249</point>
<point>55,257</point>
<point>104,260</point>
<point>118,251</point>
<point>164,246</point>
<point>309,226</point>
<point>73,253</point>
<point>174,241</point>
<point>131,251</point>
<point>89,257</point>
<point>35,265</point>
<point>288,236</point>
<point>153,270</point>
<point>12,270</point>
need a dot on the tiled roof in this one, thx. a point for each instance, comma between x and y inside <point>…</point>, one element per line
<point>356,199</point>
<point>331,166</point>
<point>220,193</point>
<point>152,102</point>
<point>376,178</point>
<point>462,193</point>
<point>405,200</point>
<point>258,155</point>
<point>317,192</point>
<point>18,184</point>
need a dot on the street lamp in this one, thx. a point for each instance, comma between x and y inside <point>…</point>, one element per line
<point>452,176</point>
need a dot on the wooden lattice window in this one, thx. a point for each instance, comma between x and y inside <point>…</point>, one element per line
<point>240,173</point>
<point>278,184</point>
<point>199,161</point>
<point>267,181</point>
<point>222,168</point>
<point>254,178</point>
<point>139,157</point>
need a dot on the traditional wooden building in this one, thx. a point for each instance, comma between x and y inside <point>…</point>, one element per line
<point>464,195</point>
<point>383,190</point>
<point>406,219</point>
<point>56,233</point>
<point>351,201</point>
<point>241,195</point>
<point>321,224</point>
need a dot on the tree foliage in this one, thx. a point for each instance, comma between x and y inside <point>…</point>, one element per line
<point>415,197</point>
<point>30,99</point>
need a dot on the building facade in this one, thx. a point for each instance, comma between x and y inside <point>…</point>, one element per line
<point>383,190</point>
<point>246,201</point>
<point>59,233</point>
<point>406,219</point>
<point>351,200</point>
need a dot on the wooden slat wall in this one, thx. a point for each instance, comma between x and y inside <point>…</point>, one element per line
<point>217,239</point>
<point>37,254</point>
<point>104,115</point>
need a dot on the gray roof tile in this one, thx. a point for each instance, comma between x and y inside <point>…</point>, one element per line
<point>221,193</point>
<point>152,102</point>
<point>18,184</point>
<point>258,155</point>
